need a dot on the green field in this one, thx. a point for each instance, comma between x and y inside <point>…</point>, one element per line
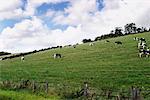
<point>104,65</point>
<point>12,95</point>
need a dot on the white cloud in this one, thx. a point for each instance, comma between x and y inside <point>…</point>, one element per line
<point>115,13</point>
<point>33,4</point>
<point>10,9</point>
<point>9,5</point>
<point>26,28</point>
<point>31,34</point>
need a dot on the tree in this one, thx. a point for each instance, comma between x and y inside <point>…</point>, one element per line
<point>118,31</point>
<point>139,30</point>
<point>97,38</point>
<point>130,28</point>
<point>86,40</point>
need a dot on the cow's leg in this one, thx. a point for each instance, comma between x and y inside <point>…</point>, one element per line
<point>140,54</point>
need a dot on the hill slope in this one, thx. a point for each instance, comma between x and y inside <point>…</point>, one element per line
<point>102,65</point>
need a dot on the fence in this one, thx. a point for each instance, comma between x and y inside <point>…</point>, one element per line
<point>86,92</point>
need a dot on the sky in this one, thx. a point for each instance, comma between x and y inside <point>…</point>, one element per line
<point>27,25</point>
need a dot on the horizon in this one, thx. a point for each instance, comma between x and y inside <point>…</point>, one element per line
<point>27,25</point>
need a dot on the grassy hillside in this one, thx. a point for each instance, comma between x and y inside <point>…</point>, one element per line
<point>102,65</point>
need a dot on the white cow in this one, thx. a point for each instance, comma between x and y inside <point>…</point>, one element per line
<point>22,58</point>
<point>143,45</point>
<point>91,44</point>
<point>147,52</point>
<point>141,52</point>
<point>57,55</point>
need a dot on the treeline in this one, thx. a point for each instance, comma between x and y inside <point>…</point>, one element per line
<point>119,31</point>
<point>4,53</point>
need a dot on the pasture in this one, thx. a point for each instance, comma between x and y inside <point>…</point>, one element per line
<point>103,65</point>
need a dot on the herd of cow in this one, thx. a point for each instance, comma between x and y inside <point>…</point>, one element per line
<point>57,55</point>
<point>144,50</point>
<point>142,47</point>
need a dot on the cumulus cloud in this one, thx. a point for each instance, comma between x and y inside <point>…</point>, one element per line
<point>83,18</point>
<point>11,5</point>
<point>32,34</point>
<point>115,13</point>
<point>10,9</point>
<point>26,28</point>
<point>33,4</point>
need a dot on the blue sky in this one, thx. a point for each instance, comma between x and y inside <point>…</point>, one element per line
<point>26,25</point>
<point>41,10</point>
<point>56,7</point>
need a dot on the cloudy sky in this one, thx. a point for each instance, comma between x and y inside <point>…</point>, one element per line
<point>27,25</point>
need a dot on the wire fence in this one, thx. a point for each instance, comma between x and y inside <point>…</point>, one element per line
<point>84,92</point>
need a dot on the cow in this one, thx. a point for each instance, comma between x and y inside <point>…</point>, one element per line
<point>74,46</point>
<point>144,52</point>
<point>142,39</point>
<point>56,55</point>
<point>141,52</point>
<point>107,41</point>
<point>22,58</point>
<point>140,45</point>
<point>135,38</point>
<point>91,44</point>
<point>147,52</point>
<point>118,42</point>
<point>144,45</point>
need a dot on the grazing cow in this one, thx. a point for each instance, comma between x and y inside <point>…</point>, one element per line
<point>74,46</point>
<point>118,42</point>
<point>91,44</point>
<point>135,38</point>
<point>140,45</point>
<point>107,41</point>
<point>144,52</point>
<point>56,55</point>
<point>22,58</point>
<point>141,52</point>
<point>147,52</point>
<point>60,47</point>
<point>142,39</point>
<point>144,45</point>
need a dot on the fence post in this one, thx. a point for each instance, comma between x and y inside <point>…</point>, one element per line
<point>46,86</point>
<point>118,97</point>
<point>33,86</point>
<point>109,94</point>
<point>135,93</point>
<point>85,92</point>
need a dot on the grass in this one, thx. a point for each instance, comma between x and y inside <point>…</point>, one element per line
<point>13,95</point>
<point>104,65</point>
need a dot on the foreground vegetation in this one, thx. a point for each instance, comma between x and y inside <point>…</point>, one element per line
<point>104,65</point>
<point>13,95</point>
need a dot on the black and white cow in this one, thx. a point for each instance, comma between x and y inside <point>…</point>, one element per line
<point>56,55</point>
<point>118,42</point>
<point>143,52</point>
<point>22,58</point>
